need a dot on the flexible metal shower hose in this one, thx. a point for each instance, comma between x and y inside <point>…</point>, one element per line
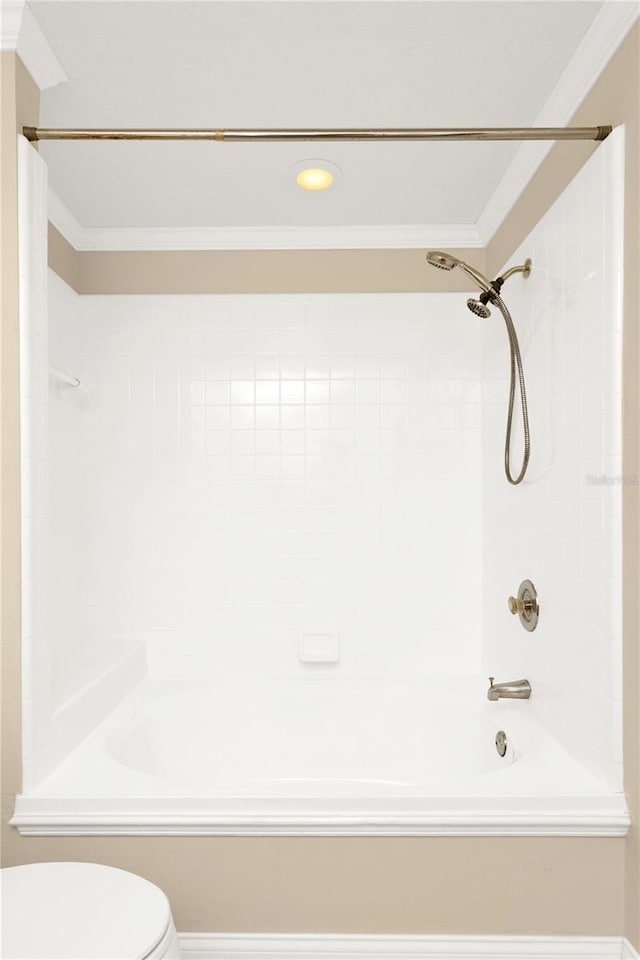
<point>516,361</point>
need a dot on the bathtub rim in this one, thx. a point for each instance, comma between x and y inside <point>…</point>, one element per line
<point>601,816</point>
<point>47,812</point>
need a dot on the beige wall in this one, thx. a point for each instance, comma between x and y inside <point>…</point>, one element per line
<point>18,99</point>
<point>361,885</point>
<point>401,885</point>
<point>64,259</point>
<point>254,271</point>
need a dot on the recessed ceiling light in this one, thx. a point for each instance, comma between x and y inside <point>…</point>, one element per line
<point>314,178</point>
<point>315,175</point>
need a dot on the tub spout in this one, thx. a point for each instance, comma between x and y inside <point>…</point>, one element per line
<point>513,690</point>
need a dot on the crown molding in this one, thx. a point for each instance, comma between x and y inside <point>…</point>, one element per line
<point>11,12</point>
<point>257,238</point>
<point>602,39</point>
<point>20,32</point>
<point>37,54</point>
<point>226,946</point>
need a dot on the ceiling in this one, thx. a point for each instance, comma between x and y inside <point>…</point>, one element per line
<point>300,64</point>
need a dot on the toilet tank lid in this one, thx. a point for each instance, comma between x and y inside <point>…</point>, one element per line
<point>80,910</point>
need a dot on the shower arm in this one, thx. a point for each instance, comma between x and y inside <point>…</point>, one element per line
<point>521,268</point>
<point>493,287</point>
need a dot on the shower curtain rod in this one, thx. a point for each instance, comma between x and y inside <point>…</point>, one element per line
<point>402,133</point>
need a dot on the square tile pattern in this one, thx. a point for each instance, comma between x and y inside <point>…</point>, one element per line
<point>251,470</point>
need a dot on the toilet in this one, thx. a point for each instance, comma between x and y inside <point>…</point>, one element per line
<point>84,911</point>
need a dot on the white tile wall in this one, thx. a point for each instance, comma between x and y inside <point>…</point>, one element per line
<point>32,189</point>
<point>268,467</point>
<point>75,670</point>
<point>88,631</point>
<point>237,474</point>
<point>559,528</point>
<point>69,682</point>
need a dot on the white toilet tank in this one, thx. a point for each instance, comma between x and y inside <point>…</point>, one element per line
<point>84,911</point>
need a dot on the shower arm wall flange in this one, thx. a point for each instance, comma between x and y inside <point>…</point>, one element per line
<point>495,286</point>
<point>524,269</point>
<point>35,134</point>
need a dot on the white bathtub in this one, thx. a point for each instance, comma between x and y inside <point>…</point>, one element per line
<point>309,742</point>
<point>319,757</point>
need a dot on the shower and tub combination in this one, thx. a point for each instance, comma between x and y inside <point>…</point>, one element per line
<point>281,561</point>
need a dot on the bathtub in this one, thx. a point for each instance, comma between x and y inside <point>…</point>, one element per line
<point>318,756</point>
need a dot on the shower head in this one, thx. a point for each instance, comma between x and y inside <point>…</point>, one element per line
<point>441,260</point>
<point>479,308</point>
<point>490,288</point>
<point>445,261</point>
<point>491,294</point>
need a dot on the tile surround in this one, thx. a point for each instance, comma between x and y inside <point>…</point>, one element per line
<point>290,465</point>
<point>562,527</point>
<point>72,674</point>
<point>327,465</point>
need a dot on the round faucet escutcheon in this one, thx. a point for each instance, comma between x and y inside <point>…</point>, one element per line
<point>526,605</point>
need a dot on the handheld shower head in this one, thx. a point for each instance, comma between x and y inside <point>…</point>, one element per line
<point>440,260</point>
<point>491,294</point>
<point>479,308</point>
<point>445,261</point>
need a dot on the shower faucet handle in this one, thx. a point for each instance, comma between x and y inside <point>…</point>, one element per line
<point>526,605</point>
<point>516,605</point>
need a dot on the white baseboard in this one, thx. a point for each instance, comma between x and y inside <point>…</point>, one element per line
<point>225,946</point>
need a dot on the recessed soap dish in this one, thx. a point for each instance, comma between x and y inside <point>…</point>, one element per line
<point>319,648</point>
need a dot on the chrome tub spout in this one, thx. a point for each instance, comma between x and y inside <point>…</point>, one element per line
<point>512,690</point>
